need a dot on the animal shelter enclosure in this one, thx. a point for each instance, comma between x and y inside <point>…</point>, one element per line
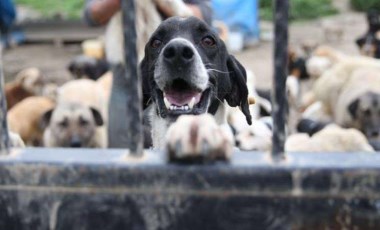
<point>132,188</point>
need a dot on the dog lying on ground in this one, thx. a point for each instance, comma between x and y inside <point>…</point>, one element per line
<point>322,59</point>
<point>350,93</point>
<point>186,72</point>
<point>332,138</point>
<point>25,118</point>
<point>330,76</point>
<point>79,118</point>
<point>358,105</point>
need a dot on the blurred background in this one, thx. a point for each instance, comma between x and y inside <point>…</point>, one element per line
<point>48,33</point>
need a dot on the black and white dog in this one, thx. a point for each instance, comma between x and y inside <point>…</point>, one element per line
<point>187,71</point>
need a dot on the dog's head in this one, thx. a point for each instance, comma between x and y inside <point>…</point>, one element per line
<point>72,124</point>
<point>187,70</point>
<point>87,67</point>
<point>31,80</point>
<point>365,112</point>
<point>297,65</point>
<point>369,45</point>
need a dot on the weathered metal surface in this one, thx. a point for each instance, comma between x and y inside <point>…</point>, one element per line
<point>100,189</point>
<point>4,135</point>
<point>126,98</point>
<point>279,100</point>
<point>134,102</point>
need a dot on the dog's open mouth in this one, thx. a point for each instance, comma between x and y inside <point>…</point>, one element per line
<point>181,98</point>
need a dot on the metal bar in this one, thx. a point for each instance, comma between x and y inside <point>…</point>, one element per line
<point>4,135</point>
<point>280,75</point>
<point>133,86</point>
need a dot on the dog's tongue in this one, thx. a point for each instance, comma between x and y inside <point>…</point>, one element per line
<point>182,98</point>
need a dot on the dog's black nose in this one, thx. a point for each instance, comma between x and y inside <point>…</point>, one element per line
<point>374,133</point>
<point>178,52</point>
<point>75,142</point>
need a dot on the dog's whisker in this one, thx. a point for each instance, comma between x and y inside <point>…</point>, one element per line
<point>219,100</point>
<point>219,71</point>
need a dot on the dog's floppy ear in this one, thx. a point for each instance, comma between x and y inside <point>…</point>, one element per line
<point>353,107</point>
<point>360,42</point>
<point>239,91</point>
<point>45,119</point>
<point>144,71</point>
<point>97,116</point>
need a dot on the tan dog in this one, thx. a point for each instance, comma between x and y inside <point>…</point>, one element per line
<point>28,82</point>
<point>328,87</point>
<point>86,92</point>
<point>87,95</point>
<point>24,118</point>
<point>330,139</point>
<point>73,125</point>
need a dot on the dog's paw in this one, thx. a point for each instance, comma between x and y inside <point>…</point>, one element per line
<point>198,138</point>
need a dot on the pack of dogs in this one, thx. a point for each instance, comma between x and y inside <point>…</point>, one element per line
<point>201,102</point>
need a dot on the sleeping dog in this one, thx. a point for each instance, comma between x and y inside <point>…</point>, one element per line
<point>187,71</point>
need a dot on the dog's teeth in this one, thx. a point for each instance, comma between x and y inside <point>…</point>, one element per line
<point>167,103</point>
<point>174,107</point>
<point>192,102</point>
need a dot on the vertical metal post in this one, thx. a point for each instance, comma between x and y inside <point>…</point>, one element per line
<point>4,135</point>
<point>280,74</point>
<point>133,86</point>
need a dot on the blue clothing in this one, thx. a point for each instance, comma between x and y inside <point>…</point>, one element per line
<point>7,15</point>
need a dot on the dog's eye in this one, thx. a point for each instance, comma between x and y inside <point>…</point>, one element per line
<point>208,41</point>
<point>83,122</point>
<point>63,124</point>
<point>367,112</point>
<point>156,43</point>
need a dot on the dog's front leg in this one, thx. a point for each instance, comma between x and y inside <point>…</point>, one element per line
<point>198,138</point>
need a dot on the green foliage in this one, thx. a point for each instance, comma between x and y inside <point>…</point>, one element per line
<point>48,8</point>
<point>300,9</point>
<point>365,5</point>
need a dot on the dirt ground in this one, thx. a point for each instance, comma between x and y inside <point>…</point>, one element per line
<point>52,60</point>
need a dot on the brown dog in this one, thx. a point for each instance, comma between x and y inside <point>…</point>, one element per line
<point>28,82</point>
<point>24,118</point>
